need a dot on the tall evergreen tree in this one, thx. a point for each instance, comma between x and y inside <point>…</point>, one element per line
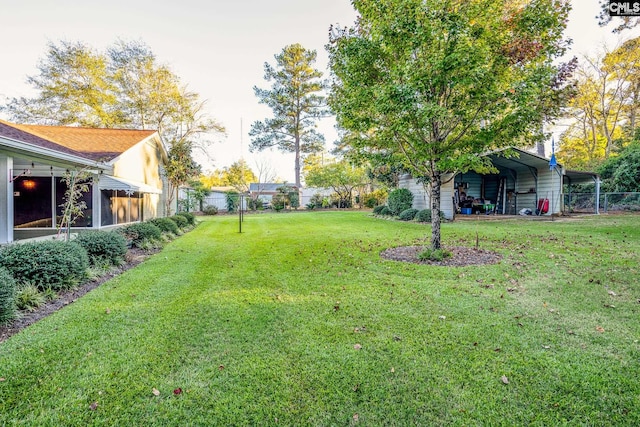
<point>297,103</point>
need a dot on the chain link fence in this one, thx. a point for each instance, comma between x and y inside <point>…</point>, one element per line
<point>609,202</point>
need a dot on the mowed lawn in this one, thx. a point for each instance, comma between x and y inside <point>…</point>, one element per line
<point>298,321</point>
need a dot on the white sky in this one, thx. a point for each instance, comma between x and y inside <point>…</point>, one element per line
<point>216,47</point>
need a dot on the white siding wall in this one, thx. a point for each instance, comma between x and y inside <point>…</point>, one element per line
<point>421,199</point>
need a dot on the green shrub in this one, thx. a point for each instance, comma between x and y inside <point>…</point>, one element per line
<point>378,209</point>
<point>375,198</point>
<point>408,214</point>
<point>385,211</point>
<point>399,200</point>
<point>191,218</point>
<point>210,210</point>
<point>141,233</point>
<point>180,221</point>
<point>166,225</point>
<point>49,263</point>
<point>7,296</point>
<point>28,297</point>
<point>424,215</point>
<point>103,246</point>
<point>434,254</point>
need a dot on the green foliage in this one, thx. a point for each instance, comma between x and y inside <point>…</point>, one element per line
<point>430,254</point>
<point>375,198</point>
<point>399,200</point>
<point>103,246</point>
<point>7,296</point>
<point>255,204</point>
<point>340,176</point>
<point>141,233</point>
<point>296,103</point>
<point>210,210</point>
<point>408,214</point>
<point>385,211</point>
<point>436,84</point>
<point>378,209</point>
<point>191,218</point>
<point>179,169</point>
<point>166,225</point>
<point>232,199</point>
<point>316,201</point>
<point>180,221</point>
<point>29,297</point>
<point>423,215</point>
<point>48,263</point>
<point>622,173</point>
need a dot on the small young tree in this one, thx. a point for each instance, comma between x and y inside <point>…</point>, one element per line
<point>77,183</point>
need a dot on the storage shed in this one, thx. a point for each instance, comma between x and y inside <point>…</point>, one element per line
<point>524,184</point>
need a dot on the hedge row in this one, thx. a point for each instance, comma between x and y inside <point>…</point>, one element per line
<point>49,266</point>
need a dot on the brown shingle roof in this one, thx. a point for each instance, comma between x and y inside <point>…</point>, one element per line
<point>94,144</point>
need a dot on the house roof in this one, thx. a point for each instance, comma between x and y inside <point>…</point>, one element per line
<point>91,143</point>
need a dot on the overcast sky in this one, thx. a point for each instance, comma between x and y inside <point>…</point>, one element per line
<point>216,47</point>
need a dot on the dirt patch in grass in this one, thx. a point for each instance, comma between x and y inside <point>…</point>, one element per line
<point>134,257</point>
<point>461,256</point>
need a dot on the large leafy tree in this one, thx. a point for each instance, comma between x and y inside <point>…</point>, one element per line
<point>340,176</point>
<point>604,107</point>
<point>297,103</point>
<point>442,82</point>
<point>126,87</point>
<point>622,172</point>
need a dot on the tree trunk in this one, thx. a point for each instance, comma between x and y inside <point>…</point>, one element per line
<point>297,169</point>
<point>435,183</point>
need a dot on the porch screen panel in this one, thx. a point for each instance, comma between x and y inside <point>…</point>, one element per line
<point>106,207</point>
<point>32,202</point>
<point>86,220</point>
<point>135,207</point>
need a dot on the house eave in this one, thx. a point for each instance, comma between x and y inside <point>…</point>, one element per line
<point>52,157</point>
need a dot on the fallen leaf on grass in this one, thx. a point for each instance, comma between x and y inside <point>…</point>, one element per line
<point>599,329</point>
<point>546,347</point>
<point>613,294</point>
<point>393,370</point>
<point>442,317</point>
<point>2,379</point>
<point>93,406</point>
<point>357,346</point>
<point>177,391</point>
<point>108,311</point>
<point>355,417</point>
<point>504,379</point>
<point>221,367</point>
<point>155,392</point>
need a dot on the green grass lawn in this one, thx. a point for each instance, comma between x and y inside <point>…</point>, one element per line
<point>298,321</point>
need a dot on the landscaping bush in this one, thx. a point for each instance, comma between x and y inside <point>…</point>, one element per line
<point>141,233</point>
<point>399,200</point>
<point>47,264</point>
<point>385,211</point>
<point>180,221</point>
<point>8,310</point>
<point>210,210</point>
<point>424,215</point>
<point>166,225</point>
<point>378,209</point>
<point>103,246</point>
<point>408,214</point>
<point>191,218</point>
<point>375,198</point>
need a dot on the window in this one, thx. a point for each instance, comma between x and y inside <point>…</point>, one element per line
<point>32,202</point>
